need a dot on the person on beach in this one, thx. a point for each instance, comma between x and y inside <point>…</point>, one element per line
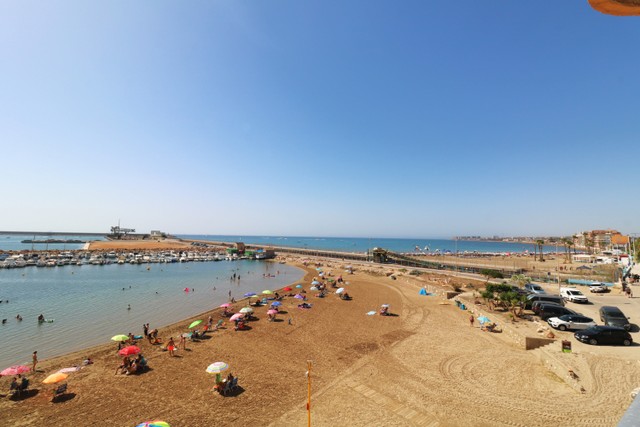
<point>171,346</point>
<point>183,342</point>
<point>210,322</point>
<point>471,320</point>
<point>145,330</point>
<point>34,357</point>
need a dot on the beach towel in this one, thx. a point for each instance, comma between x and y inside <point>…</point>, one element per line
<point>371,313</point>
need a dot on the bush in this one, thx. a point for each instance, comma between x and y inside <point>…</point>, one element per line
<point>415,273</point>
<point>492,274</point>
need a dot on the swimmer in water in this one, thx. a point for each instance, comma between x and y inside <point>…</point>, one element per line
<point>18,317</point>
<point>128,306</point>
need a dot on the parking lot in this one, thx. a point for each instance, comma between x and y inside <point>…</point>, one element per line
<point>629,306</point>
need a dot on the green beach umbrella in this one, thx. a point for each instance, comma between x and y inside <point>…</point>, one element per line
<point>246,310</point>
<point>195,323</point>
<point>120,338</point>
<point>267,292</point>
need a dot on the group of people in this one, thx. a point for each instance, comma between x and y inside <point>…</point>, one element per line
<point>132,366</point>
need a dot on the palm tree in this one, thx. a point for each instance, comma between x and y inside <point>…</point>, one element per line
<point>540,244</point>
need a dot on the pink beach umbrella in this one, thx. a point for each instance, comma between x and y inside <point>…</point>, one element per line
<point>236,316</point>
<point>272,311</point>
<point>15,370</point>
<point>298,296</point>
<point>225,305</point>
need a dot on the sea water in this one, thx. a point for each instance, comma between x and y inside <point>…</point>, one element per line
<point>361,244</point>
<point>13,242</point>
<point>89,303</point>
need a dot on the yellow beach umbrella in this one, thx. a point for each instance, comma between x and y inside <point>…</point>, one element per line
<point>267,292</point>
<point>55,378</point>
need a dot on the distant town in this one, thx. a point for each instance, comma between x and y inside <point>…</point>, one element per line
<point>590,241</point>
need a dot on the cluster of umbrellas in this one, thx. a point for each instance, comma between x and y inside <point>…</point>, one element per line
<point>61,375</point>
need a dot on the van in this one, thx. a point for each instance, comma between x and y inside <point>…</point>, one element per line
<point>573,295</point>
<point>543,297</point>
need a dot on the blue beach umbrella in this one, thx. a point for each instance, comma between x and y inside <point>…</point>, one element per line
<point>299,286</point>
<point>483,319</point>
<point>249,294</point>
<point>315,282</point>
<point>276,303</point>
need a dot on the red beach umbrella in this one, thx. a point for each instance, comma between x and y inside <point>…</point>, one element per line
<point>287,289</point>
<point>15,370</point>
<point>129,350</point>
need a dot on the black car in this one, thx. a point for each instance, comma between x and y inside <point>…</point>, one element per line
<point>542,297</point>
<point>553,310</point>
<point>604,335</point>
<point>535,307</point>
<point>613,316</point>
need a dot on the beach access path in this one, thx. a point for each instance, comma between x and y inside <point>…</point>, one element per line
<point>426,366</point>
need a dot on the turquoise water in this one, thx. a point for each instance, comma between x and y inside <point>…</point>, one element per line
<point>89,304</point>
<point>359,244</point>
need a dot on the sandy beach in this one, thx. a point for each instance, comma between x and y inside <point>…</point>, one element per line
<point>425,366</point>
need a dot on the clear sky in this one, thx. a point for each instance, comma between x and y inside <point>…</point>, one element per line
<point>324,118</point>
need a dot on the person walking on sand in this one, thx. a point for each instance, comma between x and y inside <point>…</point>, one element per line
<point>35,360</point>
<point>471,320</point>
<point>183,342</point>
<point>171,346</point>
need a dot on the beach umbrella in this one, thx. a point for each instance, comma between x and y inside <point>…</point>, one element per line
<point>129,350</point>
<point>246,310</point>
<point>299,296</point>
<point>385,305</point>
<point>272,311</point>
<point>225,305</point>
<point>15,370</point>
<point>276,303</point>
<point>287,289</point>
<point>339,290</point>
<point>236,316</point>
<point>195,323</point>
<point>217,367</point>
<point>483,319</point>
<point>69,370</point>
<point>313,288</point>
<point>371,313</point>
<point>315,282</point>
<point>250,294</point>
<point>120,338</point>
<point>318,269</point>
<point>299,286</point>
<point>254,296</point>
<point>55,378</point>
<point>186,335</point>
<point>156,423</point>
<point>267,292</point>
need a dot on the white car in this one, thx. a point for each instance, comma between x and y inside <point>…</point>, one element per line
<point>598,288</point>
<point>571,321</point>
<point>573,295</point>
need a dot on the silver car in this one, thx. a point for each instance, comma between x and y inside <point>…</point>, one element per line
<point>571,321</point>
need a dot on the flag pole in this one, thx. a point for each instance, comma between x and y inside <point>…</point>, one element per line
<point>309,393</point>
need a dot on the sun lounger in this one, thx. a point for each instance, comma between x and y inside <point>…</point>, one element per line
<point>59,391</point>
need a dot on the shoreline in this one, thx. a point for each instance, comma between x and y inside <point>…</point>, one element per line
<point>425,366</point>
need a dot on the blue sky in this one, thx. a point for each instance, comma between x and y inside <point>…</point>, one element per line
<point>359,118</point>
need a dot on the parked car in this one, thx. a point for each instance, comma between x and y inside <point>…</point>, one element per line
<point>535,307</point>
<point>534,289</point>
<point>553,310</point>
<point>543,297</point>
<point>571,321</point>
<point>573,295</point>
<point>613,316</point>
<point>518,290</point>
<point>604,335</point>
<point>598,288</point>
